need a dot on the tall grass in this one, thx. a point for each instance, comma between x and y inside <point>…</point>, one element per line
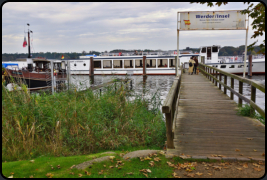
<point>72,122</point>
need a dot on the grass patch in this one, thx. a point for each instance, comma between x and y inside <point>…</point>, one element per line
<point>76,123</point>
<point>245,111</point>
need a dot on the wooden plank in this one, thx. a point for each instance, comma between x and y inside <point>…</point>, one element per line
<point>207,122</point>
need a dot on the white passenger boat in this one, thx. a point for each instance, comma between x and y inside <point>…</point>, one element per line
<point>163,65</point>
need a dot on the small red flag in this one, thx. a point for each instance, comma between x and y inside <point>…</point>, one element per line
<point>25,42</point>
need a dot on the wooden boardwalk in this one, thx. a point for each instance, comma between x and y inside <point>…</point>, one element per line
<point>207,123</point>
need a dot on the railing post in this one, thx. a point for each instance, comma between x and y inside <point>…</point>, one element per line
<point>240,92</point>
<point>232,86</point>
<point>252,98</point>
<point>216,78</point>
<point>170,144</point>
<point>225,82</point>
<point>213,76</point>
<point>220,79</point>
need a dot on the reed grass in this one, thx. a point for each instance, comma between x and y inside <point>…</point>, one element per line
<point>75,123</point>
<point>245,111</point>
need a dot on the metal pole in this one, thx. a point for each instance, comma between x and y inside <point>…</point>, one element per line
<point>52,76</point>
<point>177,60</point>
<point>245,64</point>
<point>68,74</point>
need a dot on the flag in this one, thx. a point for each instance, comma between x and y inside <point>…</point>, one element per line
<point>62,57</point>
<point>174,52</point>
<point>119,53</point>
<point>24,42</point>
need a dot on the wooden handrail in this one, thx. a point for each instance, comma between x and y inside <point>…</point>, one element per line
<point>205,69</point>
<point>170,108</point>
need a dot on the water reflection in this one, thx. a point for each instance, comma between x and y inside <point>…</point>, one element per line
<point>162,85</point>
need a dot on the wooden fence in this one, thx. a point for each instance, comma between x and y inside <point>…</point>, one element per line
<point>212,74</point>
<point>170,108</point>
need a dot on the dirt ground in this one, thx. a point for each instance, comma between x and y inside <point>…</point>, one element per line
<point>220,170</point>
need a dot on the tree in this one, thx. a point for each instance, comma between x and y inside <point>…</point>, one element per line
<point>256,12</point>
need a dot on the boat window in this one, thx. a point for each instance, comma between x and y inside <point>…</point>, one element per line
<point>172,62</point>
<point>97,64</point>
<point>232,66</point>
<point>107,63</point>
<point>117,63</point>
<point>84,64</point>
<point>151,63</point>
<point>214,49</point>
<point>240,66</point>
<point>128,63</point>
<point>247,65</point>
<point>138,63</point>
<point>162,63</point>
<point>75,64</point>
<point>203,50</point>
<point>223,66</point>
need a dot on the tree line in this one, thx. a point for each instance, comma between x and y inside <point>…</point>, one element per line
<point>224,51</point>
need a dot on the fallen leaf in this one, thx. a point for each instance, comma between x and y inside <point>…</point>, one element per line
<point>119,167</point>
<point>129,173</point>
<point>162,152</point>
<point>199,174</point>
<point>148,170</point>
<point>157,159</point>
<point>151,163</point>
<point>127,157</point>
<point>245,165</point>
<point>145,174</point>
<point>31,176</point>
<point>254,150</point>
<point>49,175</point>
<point>72,166</point>
<point>32,161</point>
<point>249,138</point>
<point>10,176</point>
<point>225,167</point>
<point>80,175</point>
<point>188,170</point>
<point>190,175</point>
<point>240,169</point>
<point>101,172</point>
<point>111,157</point>
<point>217,167</point>
<point>11,173</point>
<point>263,154</point>
<point>209,174</point>
<point>260,162</point>
<point>110,166</point>
<point>257,169</point>
<point>241,154</point>
<point>254,164</point>
<point>147,158</point>
<point>237,150</point>
<point>207,168</point>
<point>104,165</point>
<point>72,173</point>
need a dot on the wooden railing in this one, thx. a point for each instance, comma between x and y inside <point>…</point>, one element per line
<point>170,108</point>
<point>212,73</point>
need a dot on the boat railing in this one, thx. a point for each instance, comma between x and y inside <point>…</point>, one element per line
<point>212,74</point>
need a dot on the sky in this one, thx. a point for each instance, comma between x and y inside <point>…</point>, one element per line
<point>104,26</point>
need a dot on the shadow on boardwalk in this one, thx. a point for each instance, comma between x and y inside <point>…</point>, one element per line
<point>208,123</point>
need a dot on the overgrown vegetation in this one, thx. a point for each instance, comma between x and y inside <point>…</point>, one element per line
<point>75,123</point>
<point>245,111</point>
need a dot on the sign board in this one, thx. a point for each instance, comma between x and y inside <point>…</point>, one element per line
<point>212,20</point>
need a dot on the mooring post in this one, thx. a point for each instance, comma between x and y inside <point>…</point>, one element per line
<point>213,76</point>
<point>250,66</point>
<point>220,79</point>
<point>144,65</point>
<point>91,70</point>
<point>216,78</point>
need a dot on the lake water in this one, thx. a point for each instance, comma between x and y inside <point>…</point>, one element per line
<point>162,85</point>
